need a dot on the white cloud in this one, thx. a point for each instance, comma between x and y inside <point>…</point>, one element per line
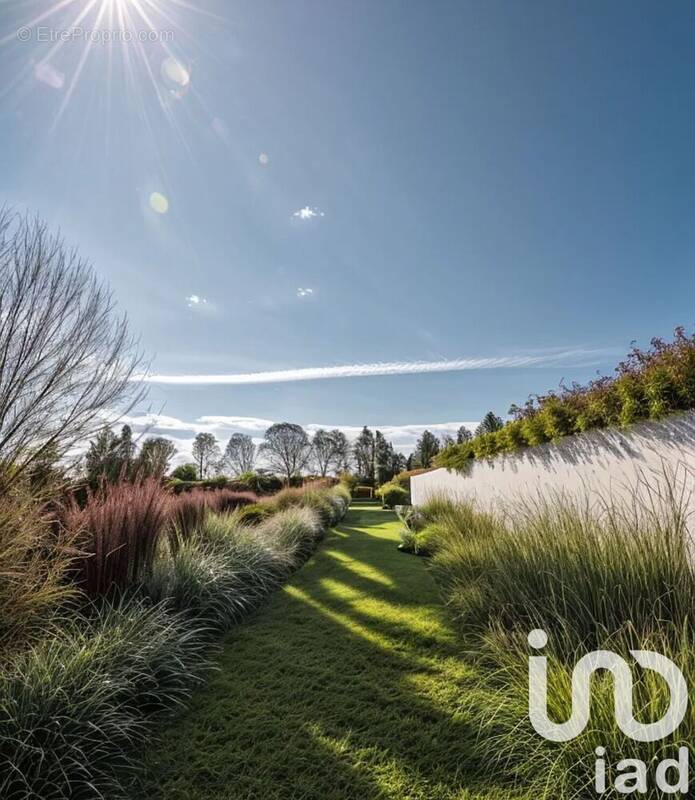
<point>48,74</point>
<point>308,213</point>
<point>195,301</point>
<point>556,358</point>
<point>182,432</point>
<point>304,292</point>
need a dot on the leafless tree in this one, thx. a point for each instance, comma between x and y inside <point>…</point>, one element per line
<point>65,355</point>
<point>322,451</point>
<point>343,452</point>
<point>329,450</point>
<point>240,453</point>
<point>286,448</point>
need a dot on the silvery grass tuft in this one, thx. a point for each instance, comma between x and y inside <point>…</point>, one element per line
<point>74,707</point>
<point>614,577</point>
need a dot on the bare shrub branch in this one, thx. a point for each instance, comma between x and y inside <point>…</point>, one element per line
<point>65,354</point>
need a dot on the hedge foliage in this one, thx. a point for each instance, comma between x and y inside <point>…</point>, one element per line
<point>648,384</point>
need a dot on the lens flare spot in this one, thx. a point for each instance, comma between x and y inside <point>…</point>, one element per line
<point>175,76</point>
<point>159,203</point>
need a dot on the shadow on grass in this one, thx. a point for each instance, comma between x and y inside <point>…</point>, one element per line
<point>343,686</point>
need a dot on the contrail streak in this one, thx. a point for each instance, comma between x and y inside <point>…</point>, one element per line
<point>565,357</point>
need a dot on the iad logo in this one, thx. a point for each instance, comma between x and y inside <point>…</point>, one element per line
<point>636,779</point>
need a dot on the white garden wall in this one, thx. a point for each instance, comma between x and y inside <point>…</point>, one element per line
<point>598,465</point>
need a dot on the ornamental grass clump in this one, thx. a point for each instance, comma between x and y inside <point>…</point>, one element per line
<point>188,511</point>
<point>36,556</point>
<point>561,564</point>
<point>74,707</point>
<point>294,533</point>
<point>118,532</point>
<point>220,573</point>
<point>616,577</point>
<point>314,496</point>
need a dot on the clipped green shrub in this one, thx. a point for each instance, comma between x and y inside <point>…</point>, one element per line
<point>393,494</point>
<point>260,483</point>
<point>185,472</point>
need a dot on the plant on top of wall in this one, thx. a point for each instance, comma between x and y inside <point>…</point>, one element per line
<point>648,384</point>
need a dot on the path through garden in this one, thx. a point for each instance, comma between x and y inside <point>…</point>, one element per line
<point>349,684</point>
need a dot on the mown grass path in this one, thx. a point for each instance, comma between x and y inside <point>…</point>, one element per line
<point>348,684</point>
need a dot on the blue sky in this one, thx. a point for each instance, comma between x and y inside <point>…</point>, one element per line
<point>351,183</point>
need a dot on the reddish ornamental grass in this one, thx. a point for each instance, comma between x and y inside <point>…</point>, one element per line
<point>119,528</point>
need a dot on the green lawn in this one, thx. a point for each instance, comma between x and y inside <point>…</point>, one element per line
<point>349,683</point>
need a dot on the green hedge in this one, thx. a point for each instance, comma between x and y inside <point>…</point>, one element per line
<point>392,494</point>
<point>649,384</point>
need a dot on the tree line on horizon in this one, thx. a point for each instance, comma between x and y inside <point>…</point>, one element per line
<point>287,450</point>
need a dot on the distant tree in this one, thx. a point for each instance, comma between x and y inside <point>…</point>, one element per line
<point>324,450</point>
<point>286,448</point>
<point>383,459</point>
<point>463,434</point>
<point>64,355</point>
<point>206,453</point>
<point>109,457</point>
<point>445,440</point>
<point>398,462</point>
<point>342,460</point>
<point>363,451</point>
<point>185,472</point>
<point>125,452</point>
<point>155,456</point>
<point>409,462</point>
<point>240,454</point>
<point>426,449</point>
<point>489,424</point>
<point>100,460</point>
<point>46,472</point>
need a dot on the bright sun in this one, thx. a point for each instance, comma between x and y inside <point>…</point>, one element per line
<point>145,36</point>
